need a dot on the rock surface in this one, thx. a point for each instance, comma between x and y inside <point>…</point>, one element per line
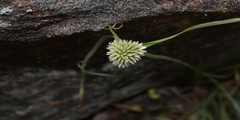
<point>28,20</point>
<point>42,40</point>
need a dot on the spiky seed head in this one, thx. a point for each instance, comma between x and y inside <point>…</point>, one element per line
<point>123,53</point>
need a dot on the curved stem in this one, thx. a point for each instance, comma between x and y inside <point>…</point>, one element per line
<point>196,70</point>
<point>98,74</point>
<point>84,63</point>
<point>114,34</point>
<point>94,49</point>
<point>234,103</point>
<point>221,22</point>
<point>162,57</point>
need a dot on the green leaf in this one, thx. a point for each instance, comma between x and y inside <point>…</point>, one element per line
<point>208,24</point>
<point>162,57</point>
<point>99,74</point>
<point>83,64</point>
<point>203,112</point>
<point>94,49</point>
<point>234,103</point>
<point>114,34</point>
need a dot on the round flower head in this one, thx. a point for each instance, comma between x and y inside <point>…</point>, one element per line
<point>123,53</point>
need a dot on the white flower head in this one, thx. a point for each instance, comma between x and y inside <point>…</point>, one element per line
<point>123,53</point>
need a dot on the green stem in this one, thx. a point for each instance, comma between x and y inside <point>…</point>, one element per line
<point>209,75</point>
<point>148,44</point>
<point>84,63</point>
<point>114,34</point>
<point>205,104</point>
<point>196,70</point>
<point>234,103</point>
<point>99,74</point>
<point>94,49</point>
<point>115,72</point>
<point>173,60</point>
<point>81,88</point>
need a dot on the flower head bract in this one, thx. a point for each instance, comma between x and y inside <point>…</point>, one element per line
<point>123,53</point>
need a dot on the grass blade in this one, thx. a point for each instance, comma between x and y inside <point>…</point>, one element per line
<point>234,103</point>
<point>193,28</point>
<point>84,63</point>
<point>94,49</point>
<point>162,57</point>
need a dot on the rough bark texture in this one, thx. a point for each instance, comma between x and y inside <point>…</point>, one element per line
<point>42,40</point>
<point>26,20</point>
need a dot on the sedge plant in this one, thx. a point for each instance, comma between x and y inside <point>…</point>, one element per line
<point>124,53</point>
<point>221,103</point>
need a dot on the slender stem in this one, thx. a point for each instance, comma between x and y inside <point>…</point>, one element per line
<point>173,60</point>
<point>115,72</point>
<point>94,49</point>
<point>209,75</point>
<point>208,24</point>
<point>81,89</point>
<point>204,105</point>
<point>237,76</point>
<point>148,44</point>
<point>196,70</point>
<point>84,63</point>
<point>234,103</point>
<point>114,34</point>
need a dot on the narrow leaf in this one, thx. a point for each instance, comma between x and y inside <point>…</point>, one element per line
<point>162,57</point>
<point>208,24</point>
